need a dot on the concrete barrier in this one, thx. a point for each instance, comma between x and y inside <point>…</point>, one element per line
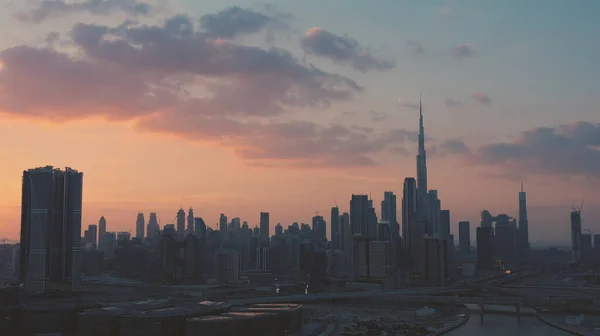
<point>561,327</point>
<point>453,325</point>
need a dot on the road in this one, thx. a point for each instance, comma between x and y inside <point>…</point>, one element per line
<point>503,325</point>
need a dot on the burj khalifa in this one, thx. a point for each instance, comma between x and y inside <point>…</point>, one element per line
<point>422,198</point>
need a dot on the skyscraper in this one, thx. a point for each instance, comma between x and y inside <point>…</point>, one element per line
<point>409,210</point>
<point>140,224</point>
<point>445,223</point>
<point>153,228</point>
<point>264,227</point>
<point>51,229</point>
<point>523,224</point>
<point>335,228</point>
<point>422,169</point>
<point>101,230</point>
<point>359,213</point>
<point>576,233</point>
<point>181,222</point>
<point>190,221</point>
<point>464,238</point>
<point>388,208</point>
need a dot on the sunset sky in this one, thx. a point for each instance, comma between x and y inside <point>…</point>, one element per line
<point>289,107</point>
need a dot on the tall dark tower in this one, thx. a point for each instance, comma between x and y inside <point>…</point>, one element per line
<point>51,229</point>
<point>422,169</point>
<point>181,222</point>
<point>359,214</point>
<point>335,229</point>
<point>140,225</point>
<point>523,225</point>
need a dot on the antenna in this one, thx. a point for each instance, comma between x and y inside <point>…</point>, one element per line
<point>334,202</point>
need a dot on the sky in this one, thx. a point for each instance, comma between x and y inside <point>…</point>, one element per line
<point>289,107</point>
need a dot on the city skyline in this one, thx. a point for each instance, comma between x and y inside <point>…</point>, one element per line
<point>363,145</point>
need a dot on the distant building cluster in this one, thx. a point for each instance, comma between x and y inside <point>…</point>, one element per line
<point>364,248</point>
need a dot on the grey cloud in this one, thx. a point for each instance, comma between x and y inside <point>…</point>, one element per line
<point>449,102</point>
<point>454,146</point>
<point>463,50</point>
<point>378,116</point>
<point>145,74</point>
<point>416,47</point>
<point>566,149</point>
<point>45,9</point>
<point>413,106</point>
<point>481,98</point>
<point>259,81</point>
<point>235,21</point>
<point>342,49</point>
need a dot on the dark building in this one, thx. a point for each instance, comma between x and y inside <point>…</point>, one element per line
<point>335,229</point>
<point>92,262</point>
<point>51,229</point>
<point>264,227</point>
<point>445,223</point>
<point>506,239</point>
<point>464,238</point>
<point>485,247</point>
<point>359,214</point>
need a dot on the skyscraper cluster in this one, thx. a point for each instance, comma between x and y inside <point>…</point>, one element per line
<point>417,248</point>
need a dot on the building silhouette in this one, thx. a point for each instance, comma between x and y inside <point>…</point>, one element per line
<point>51,229</point>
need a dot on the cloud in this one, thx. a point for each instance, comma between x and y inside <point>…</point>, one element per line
<point>176,80</point>
<point>378,116</point>
<point>416,47</point>
<point>481,98</point>
<point>235,21</point>
<point>342,49</point>
<point>569,149</point>
<point>451,102</point>
<point>402,103</point>
<point>454,146</point>
<point>46,9</point>
<point>463,50</point>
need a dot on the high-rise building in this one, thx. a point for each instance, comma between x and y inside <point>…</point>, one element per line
<point>576,234</point>
<point>359,214</point>
<point>101,230</point>
<point>371,221</point>
<point>388,210</point>
<point>200,228</point>
<point>523,225</point>
<point>335,229</point>
<point>140,224</point>
<point>264,227</point>
<point>597,245</point>
<point>487,220</point>
<point>228,267</point>
<point>190,221</point>
<point>436,260</point>
<point>223,226</point>
<point>50,229</point>
<point>587,252</point>
<point>345,232</point>
<point>485,247</point>
<point>409,211</point>
<point>153,228</point>
<point>319,227</point>
<point>422,198</point>
<point>464,238</point>
<point>445,223</point>
<point>181,222</point>
<point>93,232</point>
<point>506,239</point>
<point>433,219</point>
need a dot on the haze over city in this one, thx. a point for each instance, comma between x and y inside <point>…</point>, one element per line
<point>290,107</point>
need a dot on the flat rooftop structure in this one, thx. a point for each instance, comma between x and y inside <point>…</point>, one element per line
<point>106,311</point>
<point>205,307</point>
<point>229,316</point>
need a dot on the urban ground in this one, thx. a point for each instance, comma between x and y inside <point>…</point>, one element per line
<point>372,319</point>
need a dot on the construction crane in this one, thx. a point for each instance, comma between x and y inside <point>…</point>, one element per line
<point>576,209</point>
